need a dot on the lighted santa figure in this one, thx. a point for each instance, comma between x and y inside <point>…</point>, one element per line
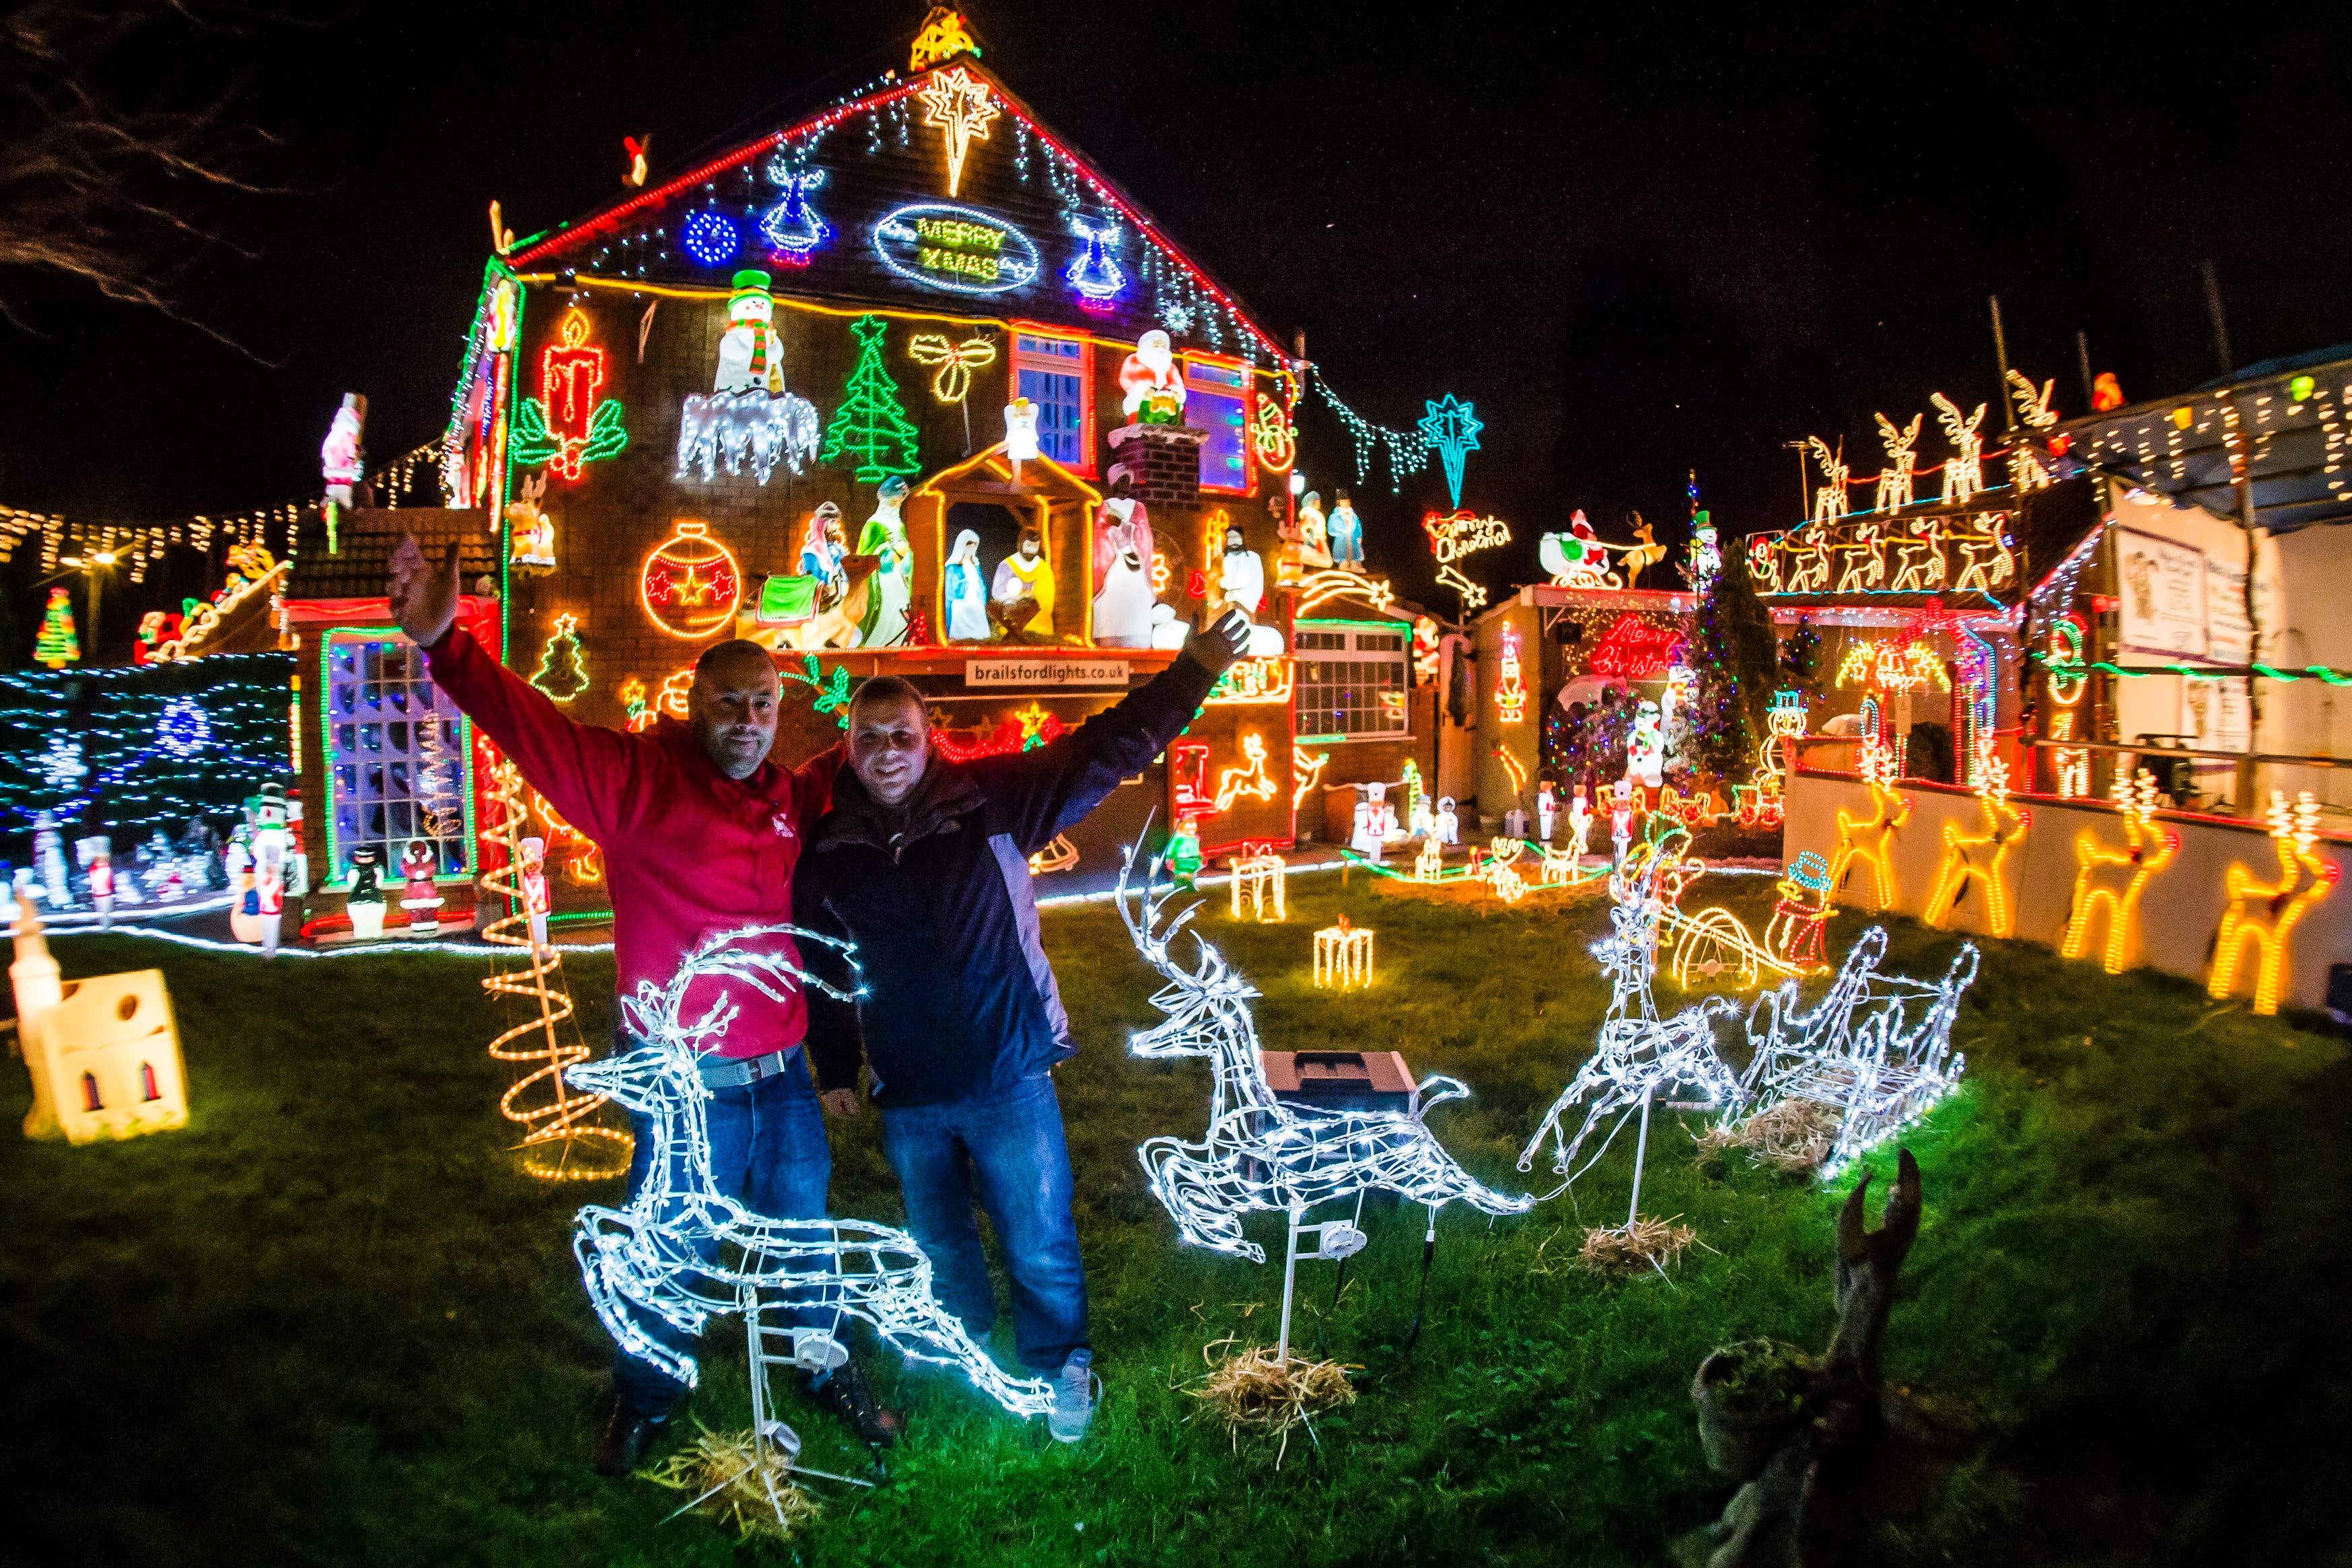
<point>1025,576</point>
<point>1152,389</point>
<point>531,874</point>
<point>1124,603</point>
<point>1345,531</point>
<point>97,856</point>
<point>340,458</point>
<point>418,896</point>
<point>1020,433</point>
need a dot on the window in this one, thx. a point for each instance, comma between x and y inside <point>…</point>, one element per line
<point>1351,683</point>
<point>1058,374</point>
<point>398,768</point>
<point>1216,399</point>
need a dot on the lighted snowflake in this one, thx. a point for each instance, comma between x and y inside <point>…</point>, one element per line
<point>1176,316</point>
<point>183,730</point>
<point>60,764</point>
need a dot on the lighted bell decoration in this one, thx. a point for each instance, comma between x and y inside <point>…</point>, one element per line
<point>690,584</point>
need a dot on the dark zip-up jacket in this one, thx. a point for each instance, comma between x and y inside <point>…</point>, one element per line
<point>960,999</point>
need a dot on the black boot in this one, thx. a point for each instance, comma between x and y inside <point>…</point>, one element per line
<point>627,1438</point>
<point>847,1395</point>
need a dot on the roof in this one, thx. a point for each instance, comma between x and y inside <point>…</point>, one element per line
<point>359,564</point>
<point>2040,527</point>
<point>896,115</point>
<point>2179,447</point>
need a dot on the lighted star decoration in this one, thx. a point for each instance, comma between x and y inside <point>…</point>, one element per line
<point>1452,427</point>
<point>954,362</point>
<point>958,105</point>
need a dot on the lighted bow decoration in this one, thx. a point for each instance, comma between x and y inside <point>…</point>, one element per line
<point>681,1251</point>
<point>959,106</point>
<point>1452,427</point>
<point>955,361</point>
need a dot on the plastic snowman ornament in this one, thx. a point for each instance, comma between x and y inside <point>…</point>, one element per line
<point>1449,821</point>
<point>530,872</point>
<point>97,856</point>
<point>418,896</point>
<point>1546,810</point>
<point>244,911</point>
<point>265,901</point>
<point>1645,749</point>
<point>365,904</point>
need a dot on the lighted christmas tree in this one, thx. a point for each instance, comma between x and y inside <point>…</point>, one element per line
<point>562,673</point>
<point>1801,661</point>
<point>57,647</point>
<point>1731,653</point>
<point>871,424</point>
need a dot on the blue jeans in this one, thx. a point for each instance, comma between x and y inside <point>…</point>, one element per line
<point>768,1152</point>
<point>1007,1149</point>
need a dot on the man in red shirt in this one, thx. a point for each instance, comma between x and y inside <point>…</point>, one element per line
<point>701,833</point>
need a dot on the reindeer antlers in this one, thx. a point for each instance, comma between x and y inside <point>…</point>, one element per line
<point>1888,1244</point>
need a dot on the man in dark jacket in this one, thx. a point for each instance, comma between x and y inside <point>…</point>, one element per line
<point>925,864</point>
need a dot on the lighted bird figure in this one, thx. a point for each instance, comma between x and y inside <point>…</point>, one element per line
<point>1876,1049</point>
<point>1639,1055</point>
<point>793,228</point>
<point>1871,841</point>
<point>2113,878</point>
<point>1452,427</point>
<point>1259,1153</point>
<point>1976,859</point>
<point>1964,469</point>
<point>2262,915</point>
<point>1096,273</point>
<point>682,1251</point>
<point>959,106</point>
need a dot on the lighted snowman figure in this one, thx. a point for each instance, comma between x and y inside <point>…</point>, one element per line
<point>530,872</point>
<point>419,897</point>
<point>1579,822</point>
<point>50,855</point>
<point>1375,820</point>
<point>1620,818</point>
<point>1020,433</point>
<point>1152,393</point>
<point>1706,553</point>
<point>1645,749</point>
<point>1449,822</point>
<point>365,904</point>
<point>1546,810</point>
<point>750,351</point>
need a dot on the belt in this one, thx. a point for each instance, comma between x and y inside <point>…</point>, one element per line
<point>740,1072</point>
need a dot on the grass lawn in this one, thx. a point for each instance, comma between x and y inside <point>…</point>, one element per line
<point>328,1323</point>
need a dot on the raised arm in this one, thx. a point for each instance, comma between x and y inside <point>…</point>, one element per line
<point>583,771</point>
<point>1035,795</point>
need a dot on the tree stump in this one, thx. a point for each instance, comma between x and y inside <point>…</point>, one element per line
<point>1823,1449</point>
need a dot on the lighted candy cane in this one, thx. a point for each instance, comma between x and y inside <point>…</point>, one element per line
<point>1261,1153</point>
<point>682,1251</point>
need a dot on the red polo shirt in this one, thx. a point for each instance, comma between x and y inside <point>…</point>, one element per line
<point>689,852</point>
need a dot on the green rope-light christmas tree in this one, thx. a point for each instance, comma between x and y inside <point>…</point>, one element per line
<point>871,424</point>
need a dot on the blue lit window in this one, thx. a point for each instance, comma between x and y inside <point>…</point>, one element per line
<point>398,768</point>
<point>1216,399</point>
<point>1056,373</point>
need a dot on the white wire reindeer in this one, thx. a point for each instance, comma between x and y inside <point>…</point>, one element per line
<point>682,1251</point>
<point>1639,1055</point>
<point>1261,1153</point>
<point>1876,1049</point>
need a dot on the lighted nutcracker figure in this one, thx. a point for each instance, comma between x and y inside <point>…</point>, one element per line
<point>49,856</point>
<point>1546,810</point>
<point>530,872</point>
<point>1620,818</point>
<point>365,905</point>
<point>97,856</point>
<point>1579,822</point>
<point>418,896</point>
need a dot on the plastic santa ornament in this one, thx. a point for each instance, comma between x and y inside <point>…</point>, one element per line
<point>1449,821</point>
<point>1546,810</point>
<point>1123,598</point>
<point>97,857</point>
<point>885,537</point>
<point>342,460</point>
<point>418,896</point>
<point>1020,435</point>
<point>1345,531</point>
<point>365,905</point>
<point>1645,748</point>
<point>1027,574</point>
<point>530,872</point>
<point>1151,392</point>
<point>49,856</point>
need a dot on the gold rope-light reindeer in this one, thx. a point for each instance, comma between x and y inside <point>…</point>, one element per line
<point>1871,841</point>
<point>1977,858</point>
<point>2113,879</point>
<point>2262,915</point>
<point>562,1141</point>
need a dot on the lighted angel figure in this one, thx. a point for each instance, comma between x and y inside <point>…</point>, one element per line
<point>1020,435</point>
<point>1639,1057</point>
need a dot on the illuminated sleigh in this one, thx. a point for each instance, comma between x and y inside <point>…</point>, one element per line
<point>1876,1049</point>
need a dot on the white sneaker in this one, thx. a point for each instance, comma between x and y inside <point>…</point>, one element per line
<point>1076,1390</point>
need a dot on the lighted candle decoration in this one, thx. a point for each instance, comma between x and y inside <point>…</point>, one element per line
<point>1343,957</point>
<point>2262,915</point>
<point>2114,878</point>
<point>568,424</point>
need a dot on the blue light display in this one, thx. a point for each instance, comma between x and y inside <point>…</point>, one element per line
<point>710,237</point>
<point>792,228</point>
<point>1096,274</point>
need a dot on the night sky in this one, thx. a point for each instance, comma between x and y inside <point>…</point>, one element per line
<point>1641,241</point>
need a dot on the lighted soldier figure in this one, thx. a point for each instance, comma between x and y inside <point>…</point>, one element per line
<point>420,897</point>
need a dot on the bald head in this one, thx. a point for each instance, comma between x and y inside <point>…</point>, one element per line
<point>732,706</point>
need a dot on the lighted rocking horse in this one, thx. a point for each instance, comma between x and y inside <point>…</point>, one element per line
<point>1261,1153</point>
<point>680,1250</point>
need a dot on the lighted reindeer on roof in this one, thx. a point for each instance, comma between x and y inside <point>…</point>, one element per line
<point>1964,469</point>
<point>1830,500</point>
<point>681,1251</point>
<point>1895,480</point>
<point>1261,1153</point>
